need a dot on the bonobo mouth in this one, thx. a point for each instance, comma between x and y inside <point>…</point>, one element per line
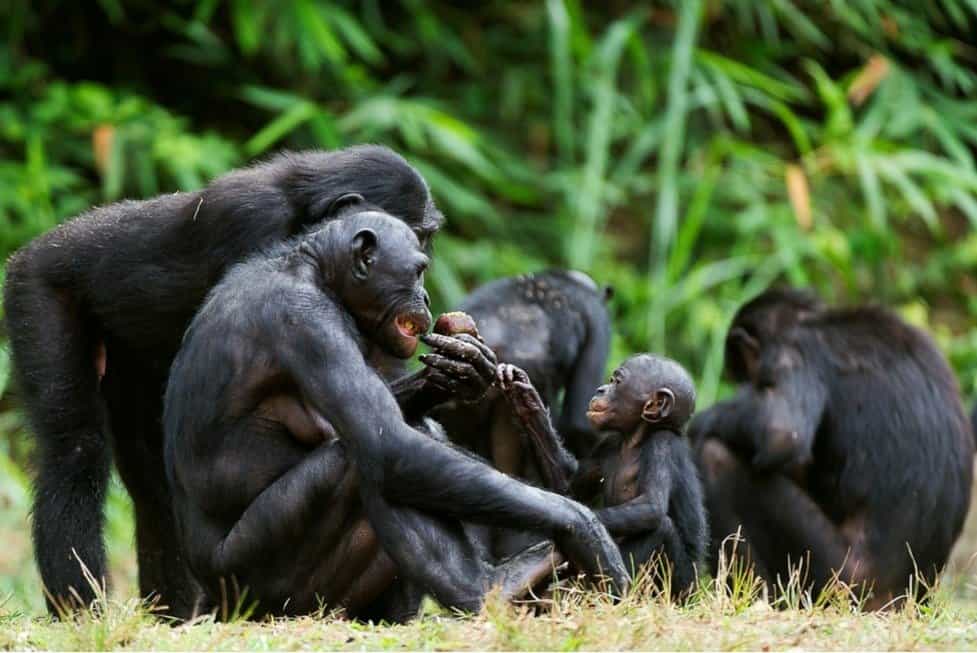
<point>412,325</point>
<point>597,408</point>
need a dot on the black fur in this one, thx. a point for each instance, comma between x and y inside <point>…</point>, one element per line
<point>130,275</point>
<point>555,326</point>
<point>847,440</point>
<point>300,524</point>
<point>642,471</point>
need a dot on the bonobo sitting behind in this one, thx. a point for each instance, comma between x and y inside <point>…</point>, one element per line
<point>643,467</point>
<point>293,471</point>
<point>846,448</point>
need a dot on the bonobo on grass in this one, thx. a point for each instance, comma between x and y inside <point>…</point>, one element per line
<point>294,473</point>
<point>110,294</point>
<point>642,469</point>
<point>846,447</point>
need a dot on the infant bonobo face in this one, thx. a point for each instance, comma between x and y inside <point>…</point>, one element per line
<point>382,284</point>
<point>644,389</point>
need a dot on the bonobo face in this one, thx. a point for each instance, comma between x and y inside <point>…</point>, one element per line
<point>644,389</point>
<point>787,388</point>
<point>383,285</point>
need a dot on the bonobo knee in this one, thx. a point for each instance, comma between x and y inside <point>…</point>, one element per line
<point>717,460</point>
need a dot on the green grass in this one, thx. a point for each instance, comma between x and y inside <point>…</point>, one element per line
<point>720,615</point>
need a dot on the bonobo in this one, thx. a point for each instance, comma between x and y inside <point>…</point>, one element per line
<point>554,325</point>
<point>110,294</point>
<point>643,468</point>
<point>846,447</point>
<point>293,472</point>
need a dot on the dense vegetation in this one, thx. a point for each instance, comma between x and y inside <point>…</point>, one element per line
<point>689,153</point>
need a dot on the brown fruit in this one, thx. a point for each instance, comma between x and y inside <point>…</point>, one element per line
<point>456,323</point>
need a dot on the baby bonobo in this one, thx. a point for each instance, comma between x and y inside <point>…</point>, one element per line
<point>294,473</point>
<point>642,466</point>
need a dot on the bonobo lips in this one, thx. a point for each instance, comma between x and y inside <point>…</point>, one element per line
<point>411,325</point>
<point>597,407</point>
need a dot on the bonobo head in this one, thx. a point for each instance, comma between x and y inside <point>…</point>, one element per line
<point>778,362</point>
<point>317,180</point>
<point>645,389</point>
<point>375,264</point>
<point>762,318</point>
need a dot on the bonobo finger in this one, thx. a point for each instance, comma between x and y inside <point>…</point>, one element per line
<point>458,348</point>
<point>450,367</point>
<point>481,346</point>
<point>507,372</point>
<point>440,380</point>
<point>500,376</point>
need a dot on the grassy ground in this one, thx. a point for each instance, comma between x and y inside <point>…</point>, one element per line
<point>717,618</point>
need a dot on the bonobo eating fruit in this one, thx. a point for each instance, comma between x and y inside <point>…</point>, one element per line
<point>642,470</point>
<point>845,450</point>
<point>95,310</point>
<point>552,324</point>
<point>294,474</point>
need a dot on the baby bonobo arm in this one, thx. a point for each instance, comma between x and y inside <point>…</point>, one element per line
<point>557,465</point>
<point>648,511</point>
<point>409,468</point>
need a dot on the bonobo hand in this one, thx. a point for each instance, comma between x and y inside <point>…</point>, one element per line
<point>591,549</point>
<point>461,365</point>
<point>519,391</point>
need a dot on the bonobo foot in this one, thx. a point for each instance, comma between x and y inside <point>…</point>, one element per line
<point>518,574</point>
<point>590,548</point>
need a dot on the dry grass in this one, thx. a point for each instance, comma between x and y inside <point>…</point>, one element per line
<point>728,614</point>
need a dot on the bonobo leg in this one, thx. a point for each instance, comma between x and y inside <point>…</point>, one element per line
<point>648,549</point>
<point>53,347</point>
<point>441,557</point>
<point>135,404</point>
<point>783,527</point>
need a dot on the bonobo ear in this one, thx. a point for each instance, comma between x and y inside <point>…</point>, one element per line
<point>343,201</point>
<point>744,352</point>
<point>608,293</point>
<point>659,407</point>
<point>364,249</point>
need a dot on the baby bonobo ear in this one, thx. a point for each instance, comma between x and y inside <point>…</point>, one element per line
<point>364,247</point>
<point>659,406</point>
<point>343,201</point>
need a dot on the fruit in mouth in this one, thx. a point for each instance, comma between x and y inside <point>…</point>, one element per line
<point>410,326</point>
<point>456,323</point>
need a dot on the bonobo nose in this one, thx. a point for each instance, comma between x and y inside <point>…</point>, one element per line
<point>602,390</point>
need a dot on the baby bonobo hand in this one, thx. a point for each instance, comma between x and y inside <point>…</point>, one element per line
<point>519,391</point>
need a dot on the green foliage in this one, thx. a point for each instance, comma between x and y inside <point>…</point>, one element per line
<point>689,154</point>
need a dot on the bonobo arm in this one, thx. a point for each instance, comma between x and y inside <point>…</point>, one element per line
<point>557,466</point>
<point>458,367</point>
<point>727,421</point>
<point>588,371</point>
<point>648,511</point>
<point>409,468</point>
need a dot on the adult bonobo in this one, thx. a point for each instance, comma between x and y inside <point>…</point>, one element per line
<point>294,473</point>
<point>846,442</point>
<point>642,469</point>
<point>110,294</point>
<point>555,326</point>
